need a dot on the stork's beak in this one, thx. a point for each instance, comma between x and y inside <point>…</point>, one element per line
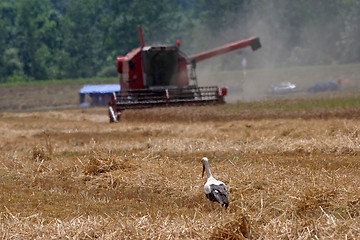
<point>202,175</point>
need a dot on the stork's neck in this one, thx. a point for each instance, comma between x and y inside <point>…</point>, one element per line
<point>207,170</point>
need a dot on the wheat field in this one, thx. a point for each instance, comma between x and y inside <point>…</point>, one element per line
<point>70,174</point>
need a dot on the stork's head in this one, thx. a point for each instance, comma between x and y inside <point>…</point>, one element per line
<point>205,162</point>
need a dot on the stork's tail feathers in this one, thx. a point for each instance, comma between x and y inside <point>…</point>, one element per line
<point>221,195</point>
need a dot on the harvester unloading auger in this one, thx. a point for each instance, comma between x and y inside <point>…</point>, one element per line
<point>157,76</point>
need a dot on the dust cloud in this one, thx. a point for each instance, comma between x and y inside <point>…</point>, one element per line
<point>284,56</point>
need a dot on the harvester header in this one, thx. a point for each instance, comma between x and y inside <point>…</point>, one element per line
<point>161,76</point>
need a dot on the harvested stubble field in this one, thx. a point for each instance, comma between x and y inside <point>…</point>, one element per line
<point>291,173</point>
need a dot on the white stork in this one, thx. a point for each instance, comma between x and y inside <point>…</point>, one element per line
<point>214,190</point>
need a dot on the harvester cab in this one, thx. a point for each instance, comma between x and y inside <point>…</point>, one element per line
<point>157,76</point>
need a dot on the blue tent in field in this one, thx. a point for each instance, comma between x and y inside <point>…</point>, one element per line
<point>100,94</point>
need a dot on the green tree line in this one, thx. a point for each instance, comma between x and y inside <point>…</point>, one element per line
<point>57,39</point>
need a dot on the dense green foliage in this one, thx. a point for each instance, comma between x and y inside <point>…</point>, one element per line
<point>57,39</point>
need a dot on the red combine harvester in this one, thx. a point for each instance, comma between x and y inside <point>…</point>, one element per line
<point>157,76</point>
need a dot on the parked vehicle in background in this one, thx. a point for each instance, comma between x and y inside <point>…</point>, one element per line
<point>325,86</point>
<point>284,87</point>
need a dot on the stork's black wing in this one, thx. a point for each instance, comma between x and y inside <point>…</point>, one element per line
<point>218,193</point>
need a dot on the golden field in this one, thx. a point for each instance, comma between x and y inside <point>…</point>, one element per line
<point>69,174</point>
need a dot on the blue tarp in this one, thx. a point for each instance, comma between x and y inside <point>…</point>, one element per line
<point>99,89</point>
<point>100,94</point>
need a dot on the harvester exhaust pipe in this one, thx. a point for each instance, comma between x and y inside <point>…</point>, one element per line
<point>140,36</point>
